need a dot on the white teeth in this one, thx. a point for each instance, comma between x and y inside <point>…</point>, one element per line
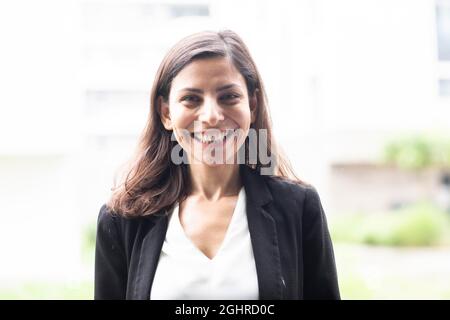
<point>209,138</point>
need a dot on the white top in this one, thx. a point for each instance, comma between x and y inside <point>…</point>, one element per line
<point>185,273</point>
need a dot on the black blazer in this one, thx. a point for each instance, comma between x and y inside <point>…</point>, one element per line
<point>289,235</point>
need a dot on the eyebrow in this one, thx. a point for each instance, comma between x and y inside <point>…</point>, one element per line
<point>225,87</point>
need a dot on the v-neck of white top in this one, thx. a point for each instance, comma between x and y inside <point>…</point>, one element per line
<point>185,272</point>
<point>178,234</point>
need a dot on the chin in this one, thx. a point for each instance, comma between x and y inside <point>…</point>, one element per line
<point>213,163</point>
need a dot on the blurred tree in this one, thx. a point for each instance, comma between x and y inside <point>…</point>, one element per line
<point>417,152</point>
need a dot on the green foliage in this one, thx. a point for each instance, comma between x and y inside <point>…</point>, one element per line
<point>418,151</point>
<point>48,291</point>
<point>419,225</point>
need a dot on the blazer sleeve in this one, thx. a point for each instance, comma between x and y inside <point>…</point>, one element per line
<point>320,276</point>
<point>110,279</point>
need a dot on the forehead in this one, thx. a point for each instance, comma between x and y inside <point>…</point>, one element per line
<point>208,72</point>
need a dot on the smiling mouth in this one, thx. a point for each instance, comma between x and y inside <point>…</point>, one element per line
<point>216,138</point>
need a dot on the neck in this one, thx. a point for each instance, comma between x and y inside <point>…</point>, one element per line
<point>212,183</point>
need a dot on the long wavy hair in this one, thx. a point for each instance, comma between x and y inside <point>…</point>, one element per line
<point>151,182</point>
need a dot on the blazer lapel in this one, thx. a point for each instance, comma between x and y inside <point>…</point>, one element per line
<point>149,256</point>
<point>263,235</point>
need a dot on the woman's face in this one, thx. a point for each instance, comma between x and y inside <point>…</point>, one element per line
<point>209,110</point>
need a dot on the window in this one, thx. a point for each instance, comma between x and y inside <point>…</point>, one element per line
<point>443,29</point>
<point>444,87</point>
<point>189,10</point>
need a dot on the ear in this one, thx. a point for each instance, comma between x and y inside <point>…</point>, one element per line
<point>164,112</point>
<point>254,105</point>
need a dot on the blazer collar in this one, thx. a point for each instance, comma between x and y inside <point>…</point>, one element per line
<point>263,235</point>
<point>255,186</point>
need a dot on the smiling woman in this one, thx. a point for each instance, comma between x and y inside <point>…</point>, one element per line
<point>230,221</point>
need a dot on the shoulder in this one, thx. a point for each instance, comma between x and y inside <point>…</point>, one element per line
<point>298,199</point>
<point>108,225</point>
<point>105,216</point>
<point>299,191</point>
<point>114,225</point>
<point>108,219</point>
<point>284,192</point>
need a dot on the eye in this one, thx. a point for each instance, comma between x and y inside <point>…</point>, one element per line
<point>190,99</point>
<point>230,97</point>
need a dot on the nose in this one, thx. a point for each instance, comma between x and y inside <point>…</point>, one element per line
<point>211,113</point>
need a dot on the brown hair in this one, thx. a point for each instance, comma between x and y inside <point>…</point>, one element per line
<point>152,181</point>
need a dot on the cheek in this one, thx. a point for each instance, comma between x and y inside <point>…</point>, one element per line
<point>243,117</point>
<point>181,117</point>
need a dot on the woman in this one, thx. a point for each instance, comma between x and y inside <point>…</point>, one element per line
<point>209,209</point>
